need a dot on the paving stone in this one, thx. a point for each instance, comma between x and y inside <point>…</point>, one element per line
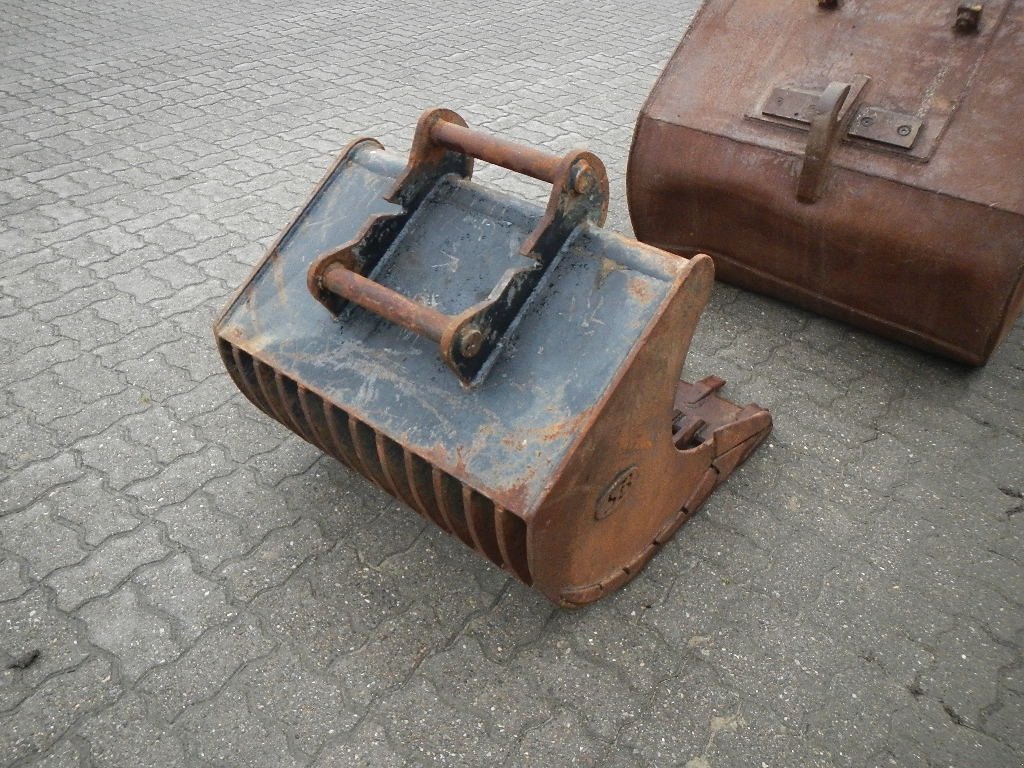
<point>156,376</point>
<point>517,620</point>
<point>290,458</point>
<point>241,433</point>
<point>386,659</point>
<point>753,736</point>
<point>311,706</point>
<point>40,540</point>
<point>367,747</point>
<point>106,567</point>
<point>224,731</point>
<point>273,561</point>
<point>18,367</point>
<point>924,733</point>
<point>179,479</point>
<point>121,459</point>
<point>141,332</point>
<point>125,735</point>
<point>1008,720</point>
<point>27,442</point>
<point>965,677</point>
<point>42,718</point>
<point>852,726</point>
<point>166,436</point>
<point>44,398</point>
<point>22,487</point>
<point>94,418</point>
<point>602,696</point>
<point>192,603</point>
<point>199,525</point>
<point>205,667</point>
<point>11,583</point>
<point>63,755</point>
<point>204,398</point>
<point>87,375</point>
<point>686,712</point>
<point>434,733</point>
<point>40,638</point>
<point>849,598</point>
<point>123,624</point>
<point>562,740</point>
<point>88,506</point>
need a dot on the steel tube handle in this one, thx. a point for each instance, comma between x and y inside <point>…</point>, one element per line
<point>381,300</point>
<point>519,158</point>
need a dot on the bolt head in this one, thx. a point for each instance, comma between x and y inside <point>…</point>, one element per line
<point>582,177</point>
<point>968,17</point>
<point>470,341</point>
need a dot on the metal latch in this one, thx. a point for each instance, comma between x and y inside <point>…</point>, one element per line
<point>798,105</point>
<point>826,113</point>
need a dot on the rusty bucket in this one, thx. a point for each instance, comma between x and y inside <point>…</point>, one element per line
<point>509,372</point>
<point>864,160</point>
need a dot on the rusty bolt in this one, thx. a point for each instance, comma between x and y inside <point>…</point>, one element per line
<point>582,177</point>
<point>470,341</point>
<point>904,130</point>
<point>968,18</point>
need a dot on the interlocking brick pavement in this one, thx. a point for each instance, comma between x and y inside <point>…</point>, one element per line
<point>184,582</point>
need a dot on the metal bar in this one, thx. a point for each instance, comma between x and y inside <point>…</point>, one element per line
<point>418,318</point>
<point>491,149</point>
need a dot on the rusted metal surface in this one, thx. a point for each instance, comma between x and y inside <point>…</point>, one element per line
<point>904,215</point>
<point>444,145</point>
<point>572,452</point>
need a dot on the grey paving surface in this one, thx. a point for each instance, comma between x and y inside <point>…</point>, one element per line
<point>202,588</point>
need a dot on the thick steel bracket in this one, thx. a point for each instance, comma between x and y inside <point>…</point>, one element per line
<point>878,126</point>
<point>444,145</point>
<point>823,135</point>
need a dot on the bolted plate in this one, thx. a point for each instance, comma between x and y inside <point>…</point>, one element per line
<point>885,126</point>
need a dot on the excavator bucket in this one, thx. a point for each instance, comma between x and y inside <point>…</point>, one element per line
<point>862,159</point>
<point>509,372</point>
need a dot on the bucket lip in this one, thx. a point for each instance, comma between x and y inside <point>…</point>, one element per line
<point>519,485</point>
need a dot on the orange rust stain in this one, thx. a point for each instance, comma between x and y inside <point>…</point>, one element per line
<point>607,267</point>
<point>639,288</point>
<point>523,437</point>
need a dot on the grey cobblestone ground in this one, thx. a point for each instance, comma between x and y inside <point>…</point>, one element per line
<point>200,587</point>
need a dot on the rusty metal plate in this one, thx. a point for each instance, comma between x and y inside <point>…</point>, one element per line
<point>895,129</point>
<point>791,104</point>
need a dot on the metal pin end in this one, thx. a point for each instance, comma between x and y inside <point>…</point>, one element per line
<point>968,18</point>
<point>582,177</point>
<point>470,341</point>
